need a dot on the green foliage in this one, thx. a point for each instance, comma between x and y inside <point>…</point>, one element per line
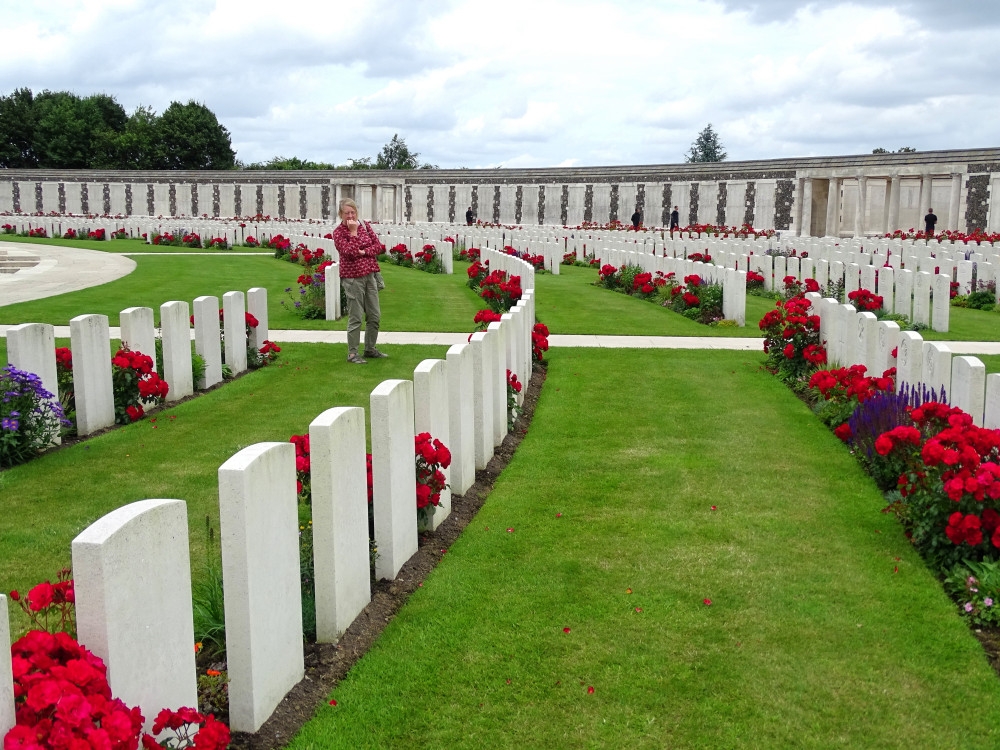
<point>706,147</point>
<point>61,130</point>
<point>29,416</point>
<point>283,163</point>
<point>209,601</point>
<point>975,585</point>
<point>192,138</point>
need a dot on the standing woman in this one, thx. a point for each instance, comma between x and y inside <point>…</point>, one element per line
<point>359,247</point>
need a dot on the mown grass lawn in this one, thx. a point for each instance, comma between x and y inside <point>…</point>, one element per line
<point>824,628</point>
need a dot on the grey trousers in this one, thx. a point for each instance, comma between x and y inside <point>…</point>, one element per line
<point>362,299</point>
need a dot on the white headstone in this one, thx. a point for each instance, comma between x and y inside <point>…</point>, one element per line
<point>341,557</point>
<point>461,421</point>
<point>132,578</point>
<point>258,509</point>
<point>138,332</point>
<point>431,413</point>
<point>208,339</point>
<point>991,417</point>
<point>937,367</point>
<point>909,359</point>
<point>968,387</point>
<point>394,476</point>
<point>7,718</point>
<point>95,400</point>
<point>234,326</point>
<point>176,323</point>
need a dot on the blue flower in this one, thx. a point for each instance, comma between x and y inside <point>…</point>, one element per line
<point>9,424</point>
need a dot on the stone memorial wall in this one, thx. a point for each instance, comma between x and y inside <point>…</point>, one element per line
<point>843,196</point>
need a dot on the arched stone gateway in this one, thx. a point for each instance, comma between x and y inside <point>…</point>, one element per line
<point>839,196</point>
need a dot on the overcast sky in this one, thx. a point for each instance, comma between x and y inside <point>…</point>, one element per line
<point>531,83</point>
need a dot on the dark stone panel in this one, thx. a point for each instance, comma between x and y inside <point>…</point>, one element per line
<point>39,201</point>
<point>720,206</point>
<point>303,202</point>
<point>430,203</point>
<point>588,203</point>
<point>496,204</point>
<point>693,207</point>
<point>150,199</point>
<point>16,196</point>
<point>173,199</point>
<point>128,199</point>
<point>195,210</point>
<point>614,203</point>
<point>260,200</point>
<point>475,201</point>
<point>62,196</point>
<point>216,200</point>
<point>84,198</point>
<point>541,204</point>
<point>564,205</point>
<point>750,202</point>
<point>451,204</point>
<point>518,200</point>
<point>640,199</point>
<point>408,203</point>
<point>665,204</point>
<point>783,198</point>
<point>281,200</point>
<point>989,166</point>
<point>238,200</point>
<point>324,201</point>
<point>977,202</point>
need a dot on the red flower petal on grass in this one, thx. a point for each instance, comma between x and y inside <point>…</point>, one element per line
<point>558,515</point>
<point>638,609</point>
<point>628,591</point>
<point>895,569</point>
<point>590,690</point>
<point>333,701</point>
<point>565,630</point>
<point>707,602</point>
<point>510,530</point>
<point>714,508</point>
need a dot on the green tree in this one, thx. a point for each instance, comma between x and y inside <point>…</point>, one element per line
<point>900,150</point>
<point>65,130</point>
<point>138,144</point>
<point>706,147</point>
<point>110,121</point>
<point>396,155</point>
<point>282,162</point>
<point>190,137</point>
<point>17,130</point>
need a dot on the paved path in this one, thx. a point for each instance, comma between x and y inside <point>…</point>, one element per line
<point>59,270</point>
<point>68,269</point>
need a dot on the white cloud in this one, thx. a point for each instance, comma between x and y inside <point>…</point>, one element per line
<point>537,83</point>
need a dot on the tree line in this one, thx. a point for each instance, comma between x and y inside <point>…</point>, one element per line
<point>60,130</point>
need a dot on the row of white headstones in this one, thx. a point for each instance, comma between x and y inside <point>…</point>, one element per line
<point>912,276</point>
<point>132,567</point>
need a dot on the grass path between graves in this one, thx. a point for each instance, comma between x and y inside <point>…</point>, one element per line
<point>175,453</point>
<point>824,629</point>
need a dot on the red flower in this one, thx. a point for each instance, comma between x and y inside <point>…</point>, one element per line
<point>844,432</point>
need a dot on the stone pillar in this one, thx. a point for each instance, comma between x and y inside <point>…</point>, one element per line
<point>805,228</point>
<point>797,207</point>
<point>7,718</point>
<point>954,202</point>
<point>833,208</point>
<point>859,216</point>
<point>926,182</point>
<point>892,205</point>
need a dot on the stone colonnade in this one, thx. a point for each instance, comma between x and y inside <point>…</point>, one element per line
<point>879,202</point>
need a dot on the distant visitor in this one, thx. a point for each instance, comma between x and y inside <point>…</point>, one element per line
<point>675,219</point>
<point>930,221</point>
<point>469,216</point>
<point>636,219</point>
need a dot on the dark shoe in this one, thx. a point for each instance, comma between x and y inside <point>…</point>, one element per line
<point>376,354</point>
<point>354,359</point>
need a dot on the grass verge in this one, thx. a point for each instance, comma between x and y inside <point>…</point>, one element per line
<point>812,639</point>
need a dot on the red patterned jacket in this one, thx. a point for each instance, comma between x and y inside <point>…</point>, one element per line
<point>354,265</point>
